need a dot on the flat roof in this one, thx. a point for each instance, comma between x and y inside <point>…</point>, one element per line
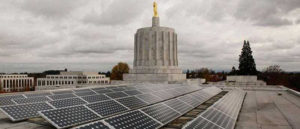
<point>261,109</point>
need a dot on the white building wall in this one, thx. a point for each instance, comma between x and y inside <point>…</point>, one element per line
<point>15,83</point>
<point>71,79</point>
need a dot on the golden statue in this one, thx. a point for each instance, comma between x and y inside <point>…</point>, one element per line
<point>155,9</point>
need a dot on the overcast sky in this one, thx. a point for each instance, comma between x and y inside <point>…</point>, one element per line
<point>93,35</point>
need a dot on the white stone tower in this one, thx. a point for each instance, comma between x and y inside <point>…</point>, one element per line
<point>155,54</point>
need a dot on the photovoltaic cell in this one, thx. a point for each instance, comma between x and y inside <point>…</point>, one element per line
<point>149,98</point>
<point>178,105</point>
<point>93,125</point>
<point>67,117</point>
<point>67,102</point>
<point>201,123</point>
<point>133,92</point>
<point>132,102</point>
<point>103,91</point>
<point>62,96</point>
<point>7,100</point>
<point>189,100</point>
<point>107,108</point>
<point>95,98</point>
<point>164,95</point>
<point>85,93</point>
<point>133,120</point>
<point>116,94</point>
<point>24,111</point>
<point>98,88</point>
<point>31,100</point>
<point>62,92</point>
<point>37,94</point>
<point>161,113</point>
<point>118,89</point>
<point>81,90</point>
<point>145,90</point>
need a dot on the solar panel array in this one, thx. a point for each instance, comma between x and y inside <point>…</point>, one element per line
<point>221,115</point>
<point>68,108</point>
<point>149,117</point>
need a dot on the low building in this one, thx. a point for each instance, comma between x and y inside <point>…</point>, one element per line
<point>71,79</point>
<point>15,82</point>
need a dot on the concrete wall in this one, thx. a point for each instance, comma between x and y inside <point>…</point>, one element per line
<point>241,79</point>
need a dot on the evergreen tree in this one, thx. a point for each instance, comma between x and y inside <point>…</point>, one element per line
<point>247,64</point>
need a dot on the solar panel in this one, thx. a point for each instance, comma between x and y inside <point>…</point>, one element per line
<point>222,114</point>
<point>24,111</point>
<point>145,90</point>
<point>67,102</point>
<point>95,98</point>
<point>189,100</point>
<point>67,117</point>
<point>98,88</point>
<point>37,94</point>
<point>133,120</point>
<point>6,100</point>
<point>62,96</point>
<point>178,105</point>
<point>130,88</point>
<point>31,100</point>
<point>116,94</point>
<point>133,92</point>
<point>202,124</point>
<point>106,108</point>
<point>62,92</point>
<point>132,102</point>
<point>85,93</point>
<point>149,98</point>
<point>118,89</point>
<point>164,95</point>
<point>81,90</point>
<point>161,113</point>
<point>103,91</point>
<point>93,125</point>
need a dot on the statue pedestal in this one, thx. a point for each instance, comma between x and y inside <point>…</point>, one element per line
<point>155,55</point>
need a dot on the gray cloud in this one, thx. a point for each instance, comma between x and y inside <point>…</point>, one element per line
<point>37,35</point>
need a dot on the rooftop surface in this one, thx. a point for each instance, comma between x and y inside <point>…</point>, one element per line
<point>268,110</point>
<point>261,109</point>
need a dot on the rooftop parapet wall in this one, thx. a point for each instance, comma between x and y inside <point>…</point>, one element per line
<point>241,79</point>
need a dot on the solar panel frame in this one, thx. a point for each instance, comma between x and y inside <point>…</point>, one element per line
<point>115,95</point>
<point>134,119</point>
<point>149,98</point>
<point>85,93</point>
<point>62,96</point>
<point>92,115</point>
<point>178,105</point>
<point>132,102</point>
<point>67,102</point>
<point>81,90</point>
<point>31,111</point>
<point>161,113</point>
<point>7,100</point>
<point>62,92</point>
<point>94,125</point>
<point>133,92</point>
<point>32,100</point>
<point>107,108</point>
<point>38,94</point>
<point>95,98</point>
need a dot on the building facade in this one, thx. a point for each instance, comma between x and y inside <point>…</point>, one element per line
<point>15,83</point>
<point>70,79</point>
